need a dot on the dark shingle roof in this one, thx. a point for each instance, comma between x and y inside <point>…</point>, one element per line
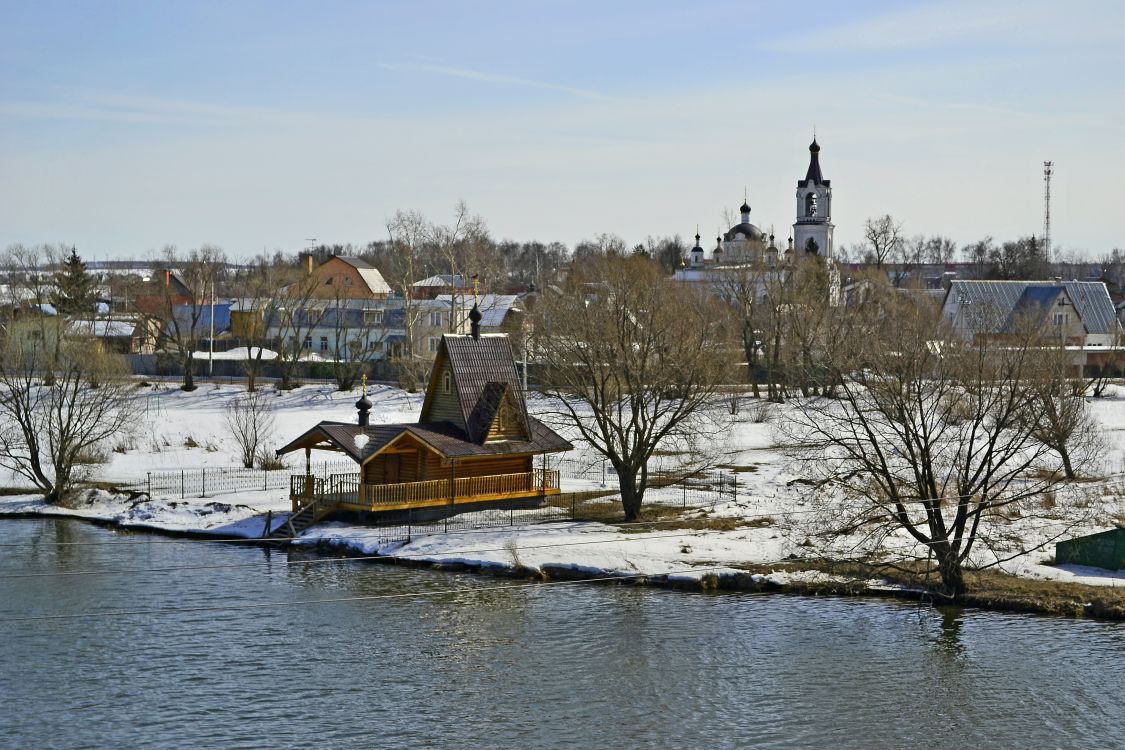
<point>447,439</point>
<point>478,364</point>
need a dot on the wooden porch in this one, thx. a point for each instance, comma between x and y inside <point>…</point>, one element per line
<point>349,492</point>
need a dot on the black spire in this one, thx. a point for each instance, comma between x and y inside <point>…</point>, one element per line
<point>814,165</point>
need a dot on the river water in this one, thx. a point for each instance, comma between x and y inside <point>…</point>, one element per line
<point>533,667</point>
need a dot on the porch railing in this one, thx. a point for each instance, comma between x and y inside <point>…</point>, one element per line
<point>349,489</point>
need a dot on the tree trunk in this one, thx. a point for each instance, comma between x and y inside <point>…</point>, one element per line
<point>949,567</point>
<point>630,497</point>
<point>189,374</point>
<point>1064,454</point>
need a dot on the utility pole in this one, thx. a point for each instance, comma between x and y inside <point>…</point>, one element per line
<point>211,350</point>
<point>1048,170</point>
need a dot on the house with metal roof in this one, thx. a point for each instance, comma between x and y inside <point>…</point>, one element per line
<point>473,446</point>
<point>1078,313</point>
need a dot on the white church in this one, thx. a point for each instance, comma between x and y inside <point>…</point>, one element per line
<point>746,243</point>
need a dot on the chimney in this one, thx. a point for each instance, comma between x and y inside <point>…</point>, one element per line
<point>306,260</point>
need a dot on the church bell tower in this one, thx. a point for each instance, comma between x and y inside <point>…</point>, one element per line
<point>812,231</point>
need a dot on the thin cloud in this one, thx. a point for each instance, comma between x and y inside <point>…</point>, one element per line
<point>477,75</point>
<point>934,26</point>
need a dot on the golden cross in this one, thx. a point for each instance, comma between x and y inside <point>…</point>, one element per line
<point>363,383</point>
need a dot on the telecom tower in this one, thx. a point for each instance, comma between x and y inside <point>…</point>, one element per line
<point>1048,170</point>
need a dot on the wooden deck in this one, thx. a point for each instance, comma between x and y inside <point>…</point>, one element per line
<point>347,492</point>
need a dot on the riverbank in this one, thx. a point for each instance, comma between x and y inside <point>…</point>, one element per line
<point>655,553</point>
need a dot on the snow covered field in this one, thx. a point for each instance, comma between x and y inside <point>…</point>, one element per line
<point>187,431</point>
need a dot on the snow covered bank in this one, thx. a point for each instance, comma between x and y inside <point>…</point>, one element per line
<point>769,511</point>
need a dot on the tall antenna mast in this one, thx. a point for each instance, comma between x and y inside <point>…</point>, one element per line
<point>1048,170</point>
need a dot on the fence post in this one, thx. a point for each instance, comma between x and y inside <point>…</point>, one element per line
<point>148,483</point>
<point>572,506</point>
<point>204,472</point>
<point>683,484</point>
<point>265,480</point>
<point>182,495</point>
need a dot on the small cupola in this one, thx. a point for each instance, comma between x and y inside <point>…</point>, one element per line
<point>363,406</point>
<point>696,252</point>
<point>474,321</point>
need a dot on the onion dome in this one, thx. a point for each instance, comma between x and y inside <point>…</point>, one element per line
<point>474,321</point>
<point>744,208</point>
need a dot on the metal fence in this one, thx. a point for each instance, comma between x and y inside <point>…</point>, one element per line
<point>405,525</point>
<point>210,481</point>
<point>218,480</point>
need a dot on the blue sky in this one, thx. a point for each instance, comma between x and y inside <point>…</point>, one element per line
<point>124,127</point>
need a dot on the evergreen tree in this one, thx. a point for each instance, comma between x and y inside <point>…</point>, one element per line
<point>75,291</point>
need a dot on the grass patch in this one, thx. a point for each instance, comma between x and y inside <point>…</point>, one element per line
<point>988,589</point>
<point>738,468</point>
<point>592,506</point>
<point>20,491</point>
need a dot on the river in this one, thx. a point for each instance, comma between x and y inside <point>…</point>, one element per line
<point>530,667</point>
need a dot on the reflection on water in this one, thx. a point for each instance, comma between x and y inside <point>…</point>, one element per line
<point>536,667</point>
<point>950,638</point>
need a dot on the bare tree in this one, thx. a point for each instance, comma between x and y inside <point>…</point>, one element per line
<point>261,290</point>
<point>1058,413</point>
<point>939,250</point>
<point>251,422</point>
<point>883,236</point>
<point>299,312</point>
<point>408,231</point>
<point>47,424</point>
<point>634,361</point>
<point>928,434</point>
<point>179,315</point>
<point>744,289</point>
<point>464,249</point>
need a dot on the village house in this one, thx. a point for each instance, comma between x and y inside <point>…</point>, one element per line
<point>343,277</point>
<point>473,446</point>
<point>1078,315</point>
<point>1075,313</point>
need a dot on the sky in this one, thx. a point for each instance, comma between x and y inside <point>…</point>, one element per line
<point>256,126</point>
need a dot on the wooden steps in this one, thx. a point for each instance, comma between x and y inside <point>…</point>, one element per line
<point>306,516</point>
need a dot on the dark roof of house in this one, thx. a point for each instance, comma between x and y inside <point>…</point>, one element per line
<point>994,301</point>
<point>445,438</point>
<point>479,364</point>
<point>1032,305</point>
<point>355,262</point>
